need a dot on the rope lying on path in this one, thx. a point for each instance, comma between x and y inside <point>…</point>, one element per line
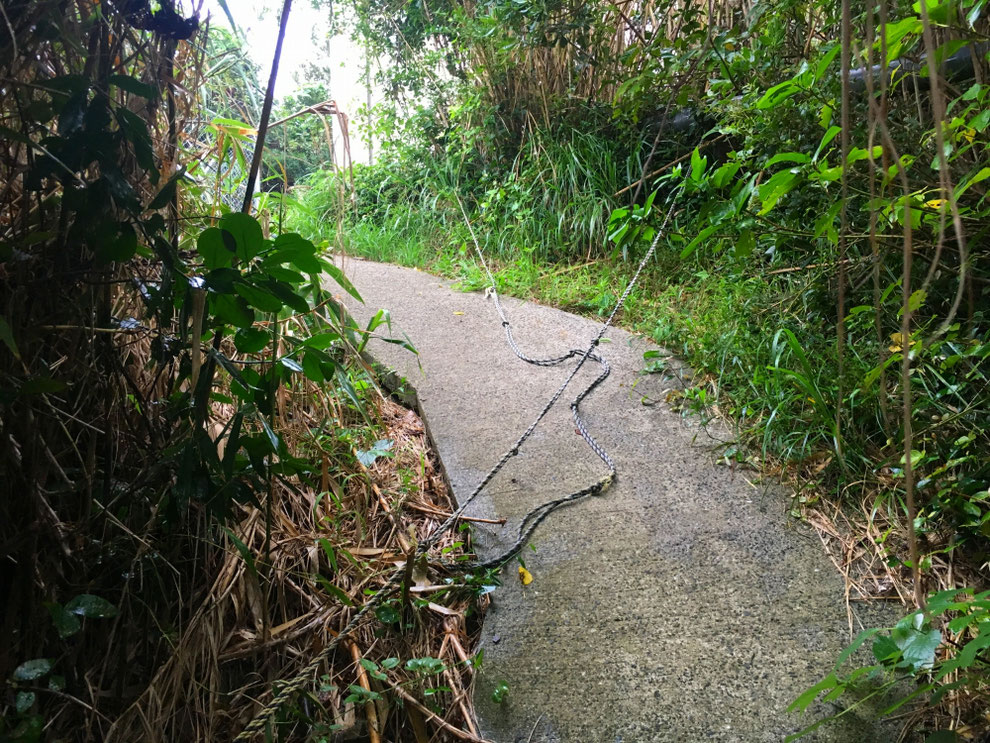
<point>532,519</point>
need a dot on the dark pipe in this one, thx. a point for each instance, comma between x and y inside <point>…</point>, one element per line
<point>956,68</point>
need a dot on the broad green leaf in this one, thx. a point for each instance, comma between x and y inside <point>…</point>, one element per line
<point>66,623</point>
<point>92,607</point>
<point>966,657</point>
<point>900,36</point>
<point>777,94</point>
<point>42,386</point>
<point>744,245</point>
<point>132,85</point>
<point>246,232</point>
<point>167,192</point>
<point>980,121</point>
<point>917,645</point>
<point>258,298</point>
<point>291,242</point>
<point>216,247</point>
<point>286,275</point>
<point>788,157</point>
<point>307,263</point>
<point>698,164</point>
<point>725,173</point>
<point>858,153</point>
<point>291,364</point>
<point>24,701</point>
<point>387,615</point>
<point>939,11</point>
<point>312,366</point>
<point>776,187</point>
<point>32,669</point>
<point>251,340</point>
<point>221,280</point>
<point>295,249</point>
<point>285,293</point>
<point>828,174</point>
<point>825,61</point>
<point>943,736</point>
<point>884,648</point>
<point>232,310</point>
<point>381,448</point>
<point>322,341</point>
<point>804,701</point>
<point>119,248</point>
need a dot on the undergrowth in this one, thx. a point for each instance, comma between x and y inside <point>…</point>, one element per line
<point>202,483</point>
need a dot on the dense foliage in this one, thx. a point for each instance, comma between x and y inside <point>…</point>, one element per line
<point>185,426</point>
<point>827,271</point>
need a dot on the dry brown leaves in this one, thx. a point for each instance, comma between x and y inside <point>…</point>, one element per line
<point>264,619</point>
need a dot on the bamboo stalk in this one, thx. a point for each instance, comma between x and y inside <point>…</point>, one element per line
<point>445,515</point>
<point>460,734</point>
<point>369,707</point>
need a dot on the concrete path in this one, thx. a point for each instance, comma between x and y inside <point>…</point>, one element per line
<point>683,605</point>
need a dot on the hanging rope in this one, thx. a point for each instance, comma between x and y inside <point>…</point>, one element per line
<point>533,519</point>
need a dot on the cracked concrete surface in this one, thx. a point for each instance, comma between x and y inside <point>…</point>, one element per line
<point>682,605</point>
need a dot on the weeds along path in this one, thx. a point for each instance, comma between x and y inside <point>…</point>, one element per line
<point>682,605</point>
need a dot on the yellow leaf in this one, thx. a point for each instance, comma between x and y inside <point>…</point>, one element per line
<point>525,577</point>
<point>458,313</point>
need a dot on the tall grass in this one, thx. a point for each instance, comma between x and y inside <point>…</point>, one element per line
<point>551,202</point>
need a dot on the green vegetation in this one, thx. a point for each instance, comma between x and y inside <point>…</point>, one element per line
<point>193,452</point>
<point>186,426</point>
<point>826,272</point>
